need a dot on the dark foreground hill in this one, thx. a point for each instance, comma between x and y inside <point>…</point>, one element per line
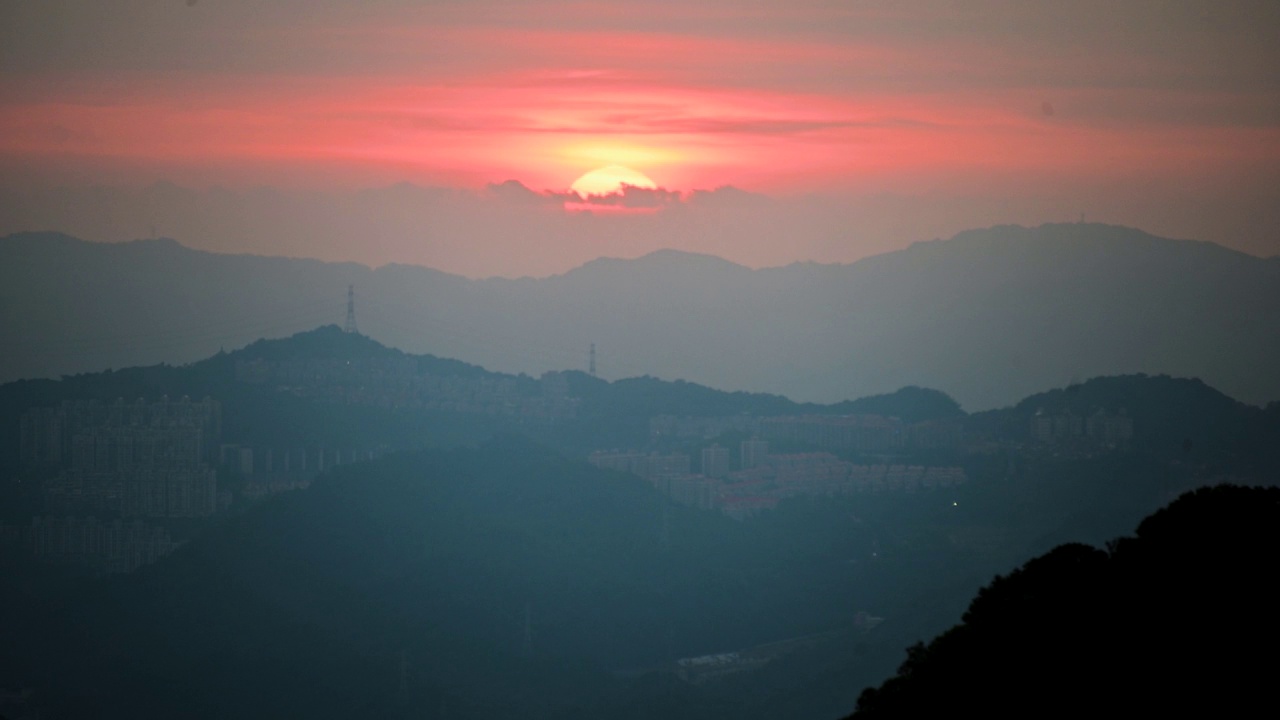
<point>1179,619</point>
<point>991,315</point>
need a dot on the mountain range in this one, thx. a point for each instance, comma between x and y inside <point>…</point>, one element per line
<point>990,315</point>
<point>478,567</point>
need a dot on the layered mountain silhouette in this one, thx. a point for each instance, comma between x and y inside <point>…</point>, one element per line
<point>484,574</point>
<point>991,315</point>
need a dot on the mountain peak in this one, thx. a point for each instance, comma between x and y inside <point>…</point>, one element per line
<point>665,260</point>
<point>324,342</point>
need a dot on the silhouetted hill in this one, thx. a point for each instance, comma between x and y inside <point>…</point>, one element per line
<point>611,413</point>
<point>912,404</point>
<point>323,343</point>
<point>1178,418</point>
<point>1176,620</point>
<point>330,342</point>
<point>991,315</point>
<point>254,414</point>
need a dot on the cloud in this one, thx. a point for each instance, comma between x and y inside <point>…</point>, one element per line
<point>512,230</point>
<point>632,196</point>
<point>727,196</point>
<point>916,97</point>
<point>516,192</point>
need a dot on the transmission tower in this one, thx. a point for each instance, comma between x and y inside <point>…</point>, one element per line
<point>351,310</point>
<point>592,365</point>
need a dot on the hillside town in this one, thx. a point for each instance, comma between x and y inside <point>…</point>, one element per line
<point>122,483</point>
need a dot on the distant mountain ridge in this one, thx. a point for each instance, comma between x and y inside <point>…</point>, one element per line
<point>990,316</point>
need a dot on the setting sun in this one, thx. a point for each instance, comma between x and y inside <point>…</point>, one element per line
<point>609,180</point>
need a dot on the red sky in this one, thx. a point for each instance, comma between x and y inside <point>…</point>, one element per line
<point>839,117</point>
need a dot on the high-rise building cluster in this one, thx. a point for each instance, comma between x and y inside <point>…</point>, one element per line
<point>715,461</point>
<point>860,433</point>
<point>264,471</point>
<point>138,459</point>
<point>863,433</point>
<point>1100,427</point>
<point>649,466</point>
<point>105,547</point>
<point>763,479</point>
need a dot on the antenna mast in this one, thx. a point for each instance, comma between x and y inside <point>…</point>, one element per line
<point>592,365</point>
<point>350,325</point>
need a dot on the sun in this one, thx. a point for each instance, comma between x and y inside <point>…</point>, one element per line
<point>609,180</point>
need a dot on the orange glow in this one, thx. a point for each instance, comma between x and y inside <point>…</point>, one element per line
<point>610,179</point>
<point>695,112</point>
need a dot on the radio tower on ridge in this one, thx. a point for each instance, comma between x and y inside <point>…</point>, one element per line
<point>592,365</point>
<point>350,326</point>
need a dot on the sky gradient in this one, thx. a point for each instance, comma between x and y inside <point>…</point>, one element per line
<point>450,131</point>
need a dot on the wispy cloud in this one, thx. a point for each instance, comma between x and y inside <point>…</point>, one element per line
<point>913,96</point>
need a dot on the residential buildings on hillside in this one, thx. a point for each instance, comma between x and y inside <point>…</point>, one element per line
<point>744,492</point>
<point>126,459</point>
<point>401,382</point>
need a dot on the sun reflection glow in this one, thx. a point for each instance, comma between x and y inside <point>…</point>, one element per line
<point>610,179</point>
